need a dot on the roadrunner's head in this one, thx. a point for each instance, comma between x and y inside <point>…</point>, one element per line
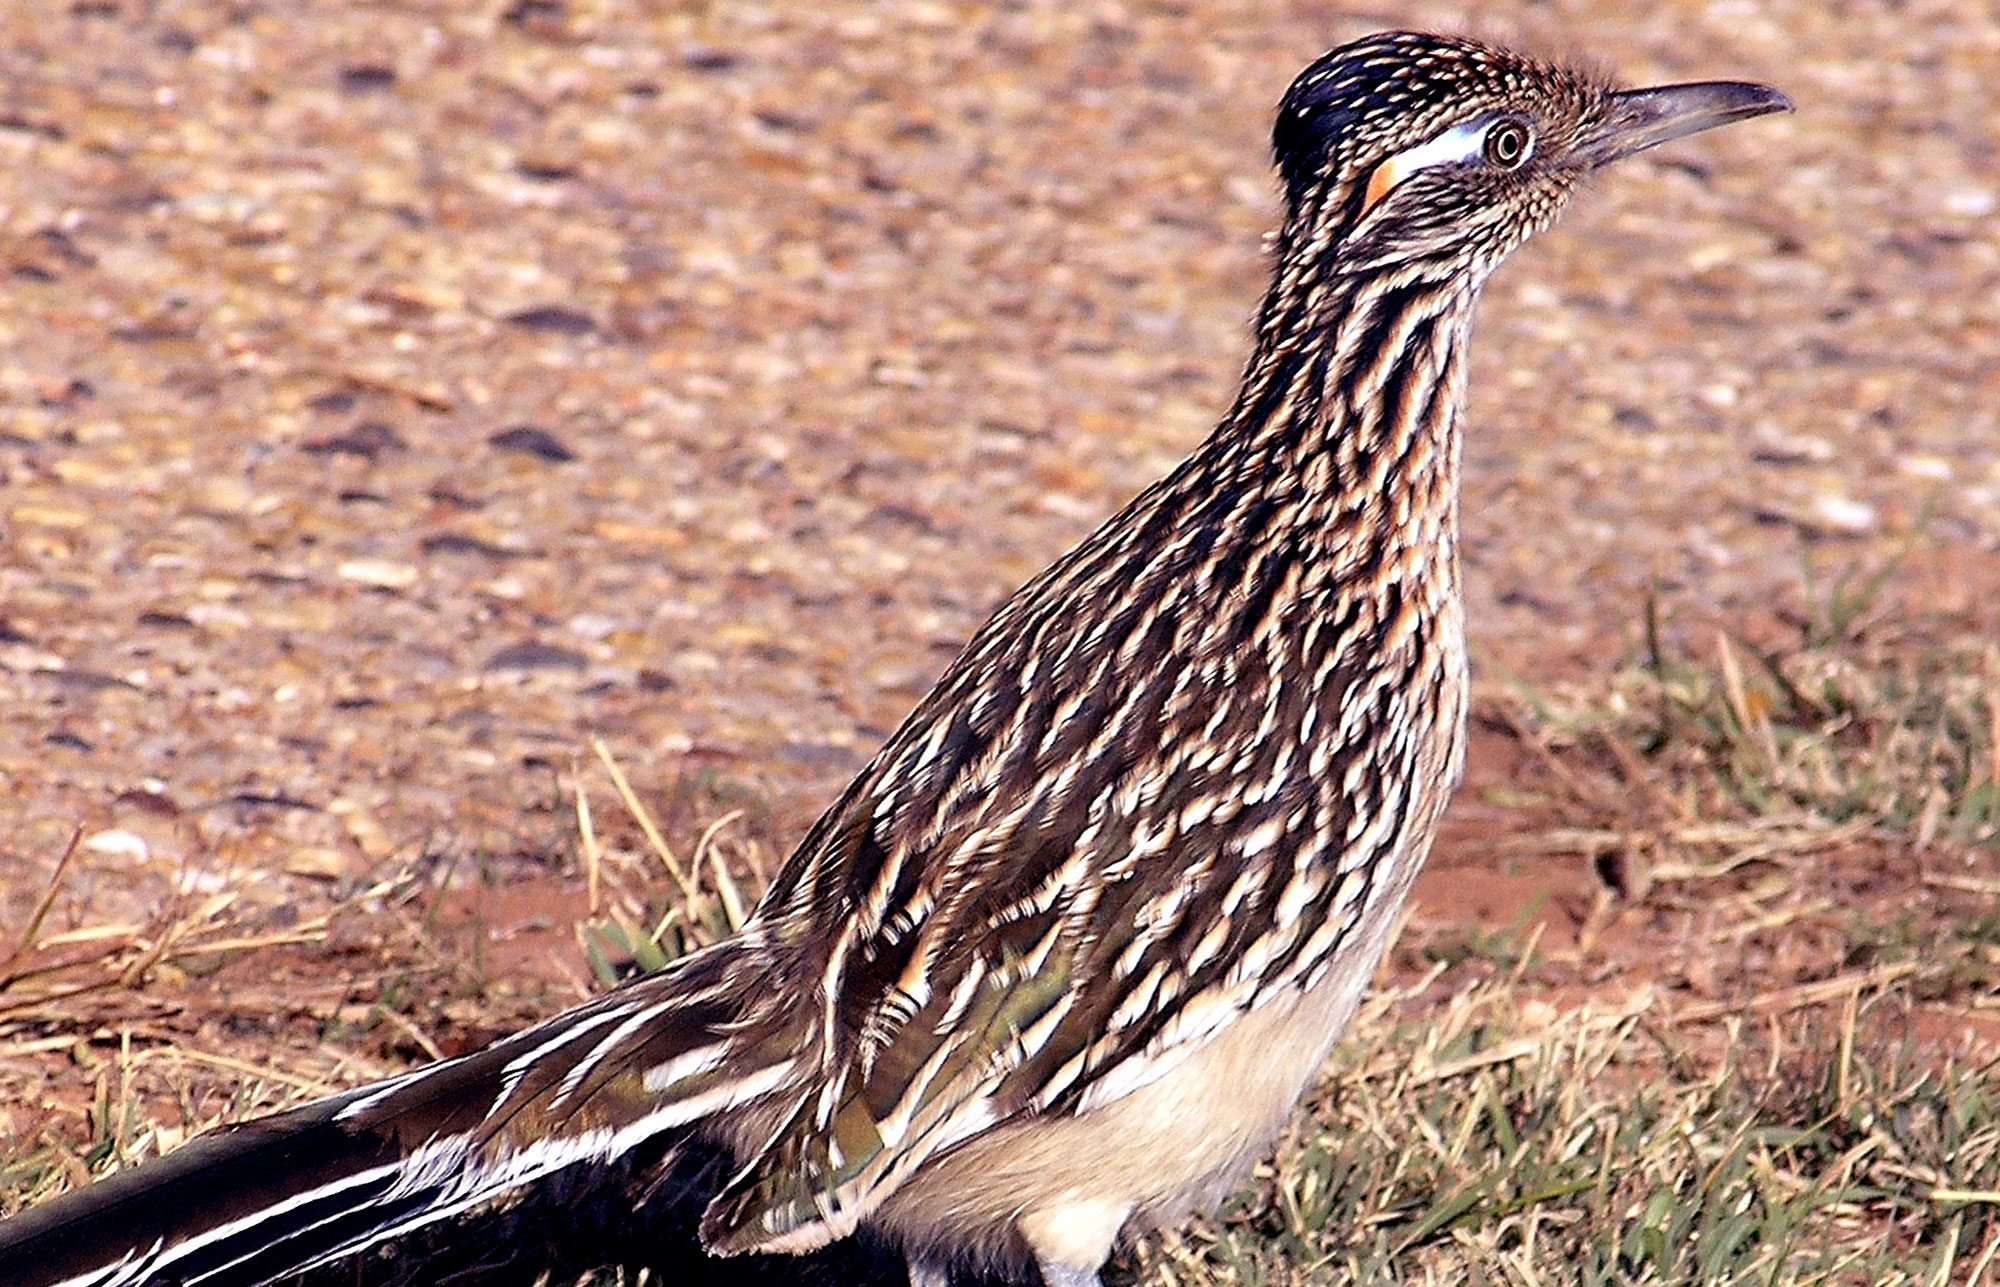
<point>1410,148</point>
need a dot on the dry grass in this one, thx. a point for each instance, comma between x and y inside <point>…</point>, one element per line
<point>1507,1143</point>
<point>1479,1128</point>
<point>1848,718</point>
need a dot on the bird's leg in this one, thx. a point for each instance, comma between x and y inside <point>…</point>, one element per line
<point>1072,1238</point>
<point>929,1273</point>
<point>1058,1275</point>
<point>926,1273</point>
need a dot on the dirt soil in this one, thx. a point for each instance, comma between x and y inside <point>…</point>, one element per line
<point>395,397</point>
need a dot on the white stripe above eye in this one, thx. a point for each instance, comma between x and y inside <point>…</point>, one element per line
<point>1457,145</point>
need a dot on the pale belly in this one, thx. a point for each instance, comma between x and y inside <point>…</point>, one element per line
<point>1069,1186</point>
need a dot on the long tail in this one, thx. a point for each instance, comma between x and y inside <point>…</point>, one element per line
<point>576,1145</point>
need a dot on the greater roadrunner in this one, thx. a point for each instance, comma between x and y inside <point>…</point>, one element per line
<point>1057,965</point>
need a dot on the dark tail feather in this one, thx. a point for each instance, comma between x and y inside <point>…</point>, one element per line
<point>220,1178</point>
<point>301,1199</point>
<point>240,1205</point>
<point>549,1152</point>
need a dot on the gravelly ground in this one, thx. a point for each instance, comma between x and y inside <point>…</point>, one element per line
<point>394,396</point>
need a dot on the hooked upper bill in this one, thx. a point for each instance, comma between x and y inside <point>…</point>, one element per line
<point>1636,119</point>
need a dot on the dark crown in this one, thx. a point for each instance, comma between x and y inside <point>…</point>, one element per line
<point>1365,100</point>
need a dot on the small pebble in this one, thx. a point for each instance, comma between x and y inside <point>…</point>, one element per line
<point>553,319</point>
<point>532,655</point>
<point>379,573</point>
<point>533,440</point>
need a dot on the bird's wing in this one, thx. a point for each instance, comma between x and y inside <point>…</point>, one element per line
<point>1003,921</point>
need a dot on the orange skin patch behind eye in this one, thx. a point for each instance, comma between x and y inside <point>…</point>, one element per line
<point>1387,175</point>
<point>1455,146</point>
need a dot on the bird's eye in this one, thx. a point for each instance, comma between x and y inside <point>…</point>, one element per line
<point>1508,144</point>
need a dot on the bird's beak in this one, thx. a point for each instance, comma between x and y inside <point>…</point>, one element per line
<point>1636,119</point>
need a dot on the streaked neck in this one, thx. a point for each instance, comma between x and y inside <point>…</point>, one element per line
<point>1350,403</point>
